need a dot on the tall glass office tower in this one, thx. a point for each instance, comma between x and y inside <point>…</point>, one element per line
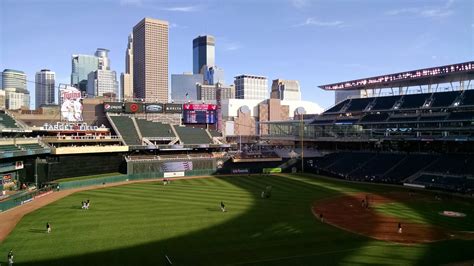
<point>203,52</point>
<point>82,65</point>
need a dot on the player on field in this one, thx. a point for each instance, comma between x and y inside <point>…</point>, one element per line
<point>222,207</point>
<point>10,258</point>
<point>48,228</point>
<point>399,228</point>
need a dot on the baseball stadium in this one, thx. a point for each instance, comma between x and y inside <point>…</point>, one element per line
<point>383,177</point>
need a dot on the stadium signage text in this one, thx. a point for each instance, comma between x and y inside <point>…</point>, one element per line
<point>113,107</point>
<point>208,107</point>
<point>240,171</point>
<point>403,76</point>
<point>173,108</point>
<point>70,127</point>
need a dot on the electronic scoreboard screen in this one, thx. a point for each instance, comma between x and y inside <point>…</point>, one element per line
<point>199,113</point>
<point>199,117</point>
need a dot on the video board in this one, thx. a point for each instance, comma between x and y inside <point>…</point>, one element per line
<point>199,113</point>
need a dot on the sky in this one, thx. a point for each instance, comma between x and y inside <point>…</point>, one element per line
<point>314,42</point>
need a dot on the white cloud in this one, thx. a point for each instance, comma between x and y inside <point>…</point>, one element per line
<point>427,12</point>
<point>318,23</point>
<point>181,8</point>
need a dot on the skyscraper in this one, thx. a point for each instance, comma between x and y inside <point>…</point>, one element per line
<point>103,80</point>
<point>16,93</point>
<point>13,79</point>
<point>126,79</point>
<point>150,60</point>
<point>203,53</point>
<point>286,90</point>
<point>82,65</point>
<point>251,87</point>
<point>183,86</point>
<point>44,87</point>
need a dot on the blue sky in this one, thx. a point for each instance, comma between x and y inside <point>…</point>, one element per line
<point>315,42</point>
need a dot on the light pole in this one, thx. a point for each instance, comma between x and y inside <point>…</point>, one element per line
<point>302,146</point>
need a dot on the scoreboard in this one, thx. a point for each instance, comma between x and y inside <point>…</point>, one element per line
<point>199,113</point>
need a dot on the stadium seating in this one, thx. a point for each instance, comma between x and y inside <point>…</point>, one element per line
<point>378,165</point>
<point>348,162</point>
<point>8,148</point>
<point>368,118</point>
<point>385,103</point>
<point>449,183</point>
<point>337,107</point>
<point>154,129</point>
<point>410,165</point>
<point>127,130</point>
<point>458,164</point>
<point>190,135</point>
<point>31,146</point>
<point>444,99</point>
<point>7,122</point>
<point>358,104</point>
<point>468,97</point>
<point>414,100</point>
<point>461,116</point>
<point>215,133</point>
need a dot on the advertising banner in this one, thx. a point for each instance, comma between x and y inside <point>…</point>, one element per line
<point>133,108</point>
<point>177,166</point>
<point>173,174</point>
<point>271,170</point>
<point>113,107</point>
<point>173,108</point>
<point>203,107</point>
<point>240,171</point>
<point>70,100</point>
<point>154,108</point>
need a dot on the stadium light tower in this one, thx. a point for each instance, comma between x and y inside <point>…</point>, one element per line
<point>302,147</point>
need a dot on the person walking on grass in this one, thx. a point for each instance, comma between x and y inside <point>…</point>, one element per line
<point>223,207</point>
<point>48,228</point>
<point>10,258</point>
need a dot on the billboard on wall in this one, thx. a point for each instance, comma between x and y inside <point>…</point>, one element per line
<point>154,108</point>
<point>70,100</point>
<point>200,107</point>
<point>133,107</point>
<point>173,108</point>
<point>113,107</point>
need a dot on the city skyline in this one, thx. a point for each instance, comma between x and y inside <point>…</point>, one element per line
<point>313,42</point>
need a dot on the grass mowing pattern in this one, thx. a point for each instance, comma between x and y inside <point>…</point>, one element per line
<point>138,224</point>
<point>428,212</point>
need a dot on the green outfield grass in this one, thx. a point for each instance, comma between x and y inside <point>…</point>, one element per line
<point>138,224</point>
<point>428,212</point>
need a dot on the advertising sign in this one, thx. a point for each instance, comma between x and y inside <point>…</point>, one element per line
<point>133,107</point>
<point>209,107</point>
<point>70,100</point>
<point>154,108</point>
<point>173,108</point>
<point>113,107</point>
<point>271,170</point>
<point>240,171</point>
<point>177,166</point>
<point>173,174</point>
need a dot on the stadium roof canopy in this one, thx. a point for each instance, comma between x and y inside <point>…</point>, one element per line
<point>426,76</point>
